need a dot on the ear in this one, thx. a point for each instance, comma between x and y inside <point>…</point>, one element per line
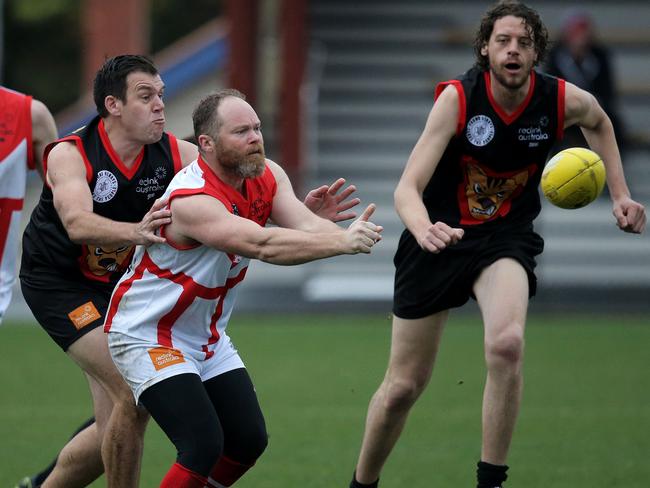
<point>113,105</point>
<point>206,143</point>
<point>484,49</point>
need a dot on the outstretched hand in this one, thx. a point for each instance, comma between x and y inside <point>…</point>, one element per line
<point>326,201</point>
<point>157,216</point>
<point>363,234</point>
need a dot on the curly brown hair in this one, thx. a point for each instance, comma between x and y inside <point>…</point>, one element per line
<point>504,8</point>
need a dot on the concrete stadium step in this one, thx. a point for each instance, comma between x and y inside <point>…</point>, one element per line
<point>351,165</point>
<point>379,37</point>
<point>376,90</point>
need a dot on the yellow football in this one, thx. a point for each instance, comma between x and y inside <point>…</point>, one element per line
<point>573,178</point>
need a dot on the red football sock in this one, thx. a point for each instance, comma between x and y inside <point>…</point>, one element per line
<point>227,471</point>
<point>181,477</point>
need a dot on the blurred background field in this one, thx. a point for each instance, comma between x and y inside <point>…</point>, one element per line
<point>584,422</point>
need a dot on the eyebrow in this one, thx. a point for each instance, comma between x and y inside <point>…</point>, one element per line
<point>246,126</point>
<point>147,86</point>
<point>526,36</point>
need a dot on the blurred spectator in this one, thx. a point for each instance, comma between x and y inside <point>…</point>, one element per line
<point>579,58</point>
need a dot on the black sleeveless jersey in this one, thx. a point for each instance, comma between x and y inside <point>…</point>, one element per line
<point>488,176</point>
<point>119,193</point>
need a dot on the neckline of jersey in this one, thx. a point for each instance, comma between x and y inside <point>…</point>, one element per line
<point>505,117</point>
<point>128,173</point>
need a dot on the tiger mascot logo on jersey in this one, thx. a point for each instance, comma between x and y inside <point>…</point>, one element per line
<point>100,261</point>
<point>485,195</point>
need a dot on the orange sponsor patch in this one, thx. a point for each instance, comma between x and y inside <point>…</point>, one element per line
<point>84,315</point>
<point>161,357</point>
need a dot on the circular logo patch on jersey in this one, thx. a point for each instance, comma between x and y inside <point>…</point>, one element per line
<point>160,172</point>
<point>480,130</point>
<point>106,187</point>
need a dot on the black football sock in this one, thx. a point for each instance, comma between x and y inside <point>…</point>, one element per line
<point>355,484</point>
<point>41,477</point>
<point>490,475</point>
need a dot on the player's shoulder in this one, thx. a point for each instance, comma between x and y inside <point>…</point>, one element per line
<point>63,149</point>
<point>273,171</point>
<point>455,88</point>
<point>39,111</point>
<point>188,151</point>
<point>576,100</point>
<point>449,93</point>
<point>8,93</point>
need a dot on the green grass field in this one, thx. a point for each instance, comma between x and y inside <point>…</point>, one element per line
<point>585,419</point>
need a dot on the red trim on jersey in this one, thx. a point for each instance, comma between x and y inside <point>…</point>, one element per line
<point>255,188</point>
<point>127,172</point>
<point>16,107</point>
<point>561,93</point>
<point>509,119</point>
<point>31,161</point>
<point>230,283</point>
<point>462,102</point>
<point>191,290</point>
<point>184,192</point>
<point>76,140</point>
<point>7,207</point>
<point>217,188</point>
<point>176,154</point>
<point>119,293</point>
<point>175,245</point>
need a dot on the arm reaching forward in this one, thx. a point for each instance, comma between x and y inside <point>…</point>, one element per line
<point>203,219</point>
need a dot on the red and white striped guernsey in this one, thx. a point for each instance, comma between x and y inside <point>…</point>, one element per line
<point>16,157</point>
<point>182,297</point>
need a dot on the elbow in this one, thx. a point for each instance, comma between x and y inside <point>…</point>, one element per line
<point>261,250</point>
<point>398,196</point>
<point>73,227</point>
<point>268,256</point>
<point>279,256</point>
<point>75,236</point>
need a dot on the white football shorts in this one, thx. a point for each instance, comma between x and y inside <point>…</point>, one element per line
<point>143,364</point>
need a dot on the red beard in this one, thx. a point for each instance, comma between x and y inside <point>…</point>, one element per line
<point>249,165</point>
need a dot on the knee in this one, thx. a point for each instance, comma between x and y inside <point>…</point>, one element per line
<point>248,444</point>
<point>506,349</point>
<point>400,394</point>
<point>200,452</point>
<point>128,413</point>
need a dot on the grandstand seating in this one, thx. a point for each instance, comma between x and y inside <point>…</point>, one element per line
<point>373,66</point>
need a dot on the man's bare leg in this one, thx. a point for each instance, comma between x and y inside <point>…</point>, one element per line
<point>502,294</point>
<point>120,424</point>
<point>414,346</point>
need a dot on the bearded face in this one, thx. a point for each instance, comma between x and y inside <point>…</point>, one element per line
<point>247,163</point>
<point>511,52</point>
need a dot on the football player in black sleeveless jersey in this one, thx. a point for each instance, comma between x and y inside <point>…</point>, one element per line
<point>468,197</point>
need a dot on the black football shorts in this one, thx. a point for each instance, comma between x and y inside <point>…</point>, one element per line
<point>427,283</point>
<point>66,309</point>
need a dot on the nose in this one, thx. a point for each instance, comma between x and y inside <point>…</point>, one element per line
<point>255,137</point>
<point>159,105</point>
<point>513,46</point>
